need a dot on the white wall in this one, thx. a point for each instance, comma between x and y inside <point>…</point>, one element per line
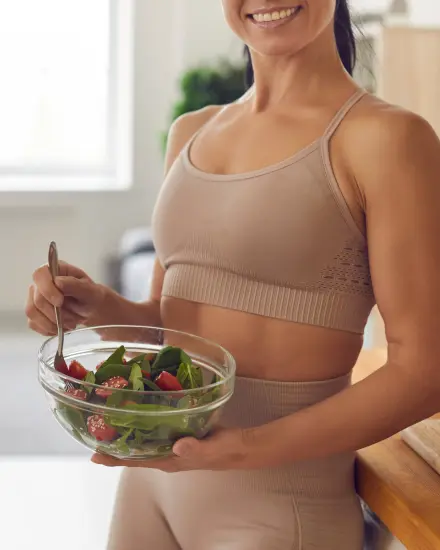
<point>87,226</point>
<point>424,12</point>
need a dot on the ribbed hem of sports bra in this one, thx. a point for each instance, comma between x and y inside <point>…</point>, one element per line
<point>216,287</point>
<point>301,154</point>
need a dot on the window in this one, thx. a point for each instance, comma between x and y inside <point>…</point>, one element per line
<point>65,97</point>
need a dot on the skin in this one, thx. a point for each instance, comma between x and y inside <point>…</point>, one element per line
<point>387,163</point>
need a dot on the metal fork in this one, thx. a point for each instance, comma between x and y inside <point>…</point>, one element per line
<point>59,361</point>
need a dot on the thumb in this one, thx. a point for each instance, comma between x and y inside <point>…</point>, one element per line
<point>82,290</point>
<point>188,447</point>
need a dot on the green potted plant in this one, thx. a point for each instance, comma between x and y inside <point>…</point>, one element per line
<point>208,85</point>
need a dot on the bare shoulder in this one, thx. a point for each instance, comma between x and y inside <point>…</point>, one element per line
<point>382,122</point>
<point>184,127</point>
<point>381,137</point>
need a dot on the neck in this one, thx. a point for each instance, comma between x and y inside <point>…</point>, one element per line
<point>299,79</point>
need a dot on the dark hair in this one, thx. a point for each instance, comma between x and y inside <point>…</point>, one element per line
<point>345,41</point>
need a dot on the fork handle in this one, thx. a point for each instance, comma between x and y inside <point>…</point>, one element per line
<point>54,271</point>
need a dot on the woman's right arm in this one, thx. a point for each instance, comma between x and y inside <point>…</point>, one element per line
<point>87,303</point>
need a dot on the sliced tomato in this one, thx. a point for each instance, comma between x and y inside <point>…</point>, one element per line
<point>99,429</point>
<point>167,382</point>
<point>117,383</point>
<point>77,394</point>
<point>76,370</point>
<point>146,374</point>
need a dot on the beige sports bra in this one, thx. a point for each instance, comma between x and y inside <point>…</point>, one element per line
<point>278,242</point>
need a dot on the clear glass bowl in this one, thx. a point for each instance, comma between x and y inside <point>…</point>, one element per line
<point>163,417</point>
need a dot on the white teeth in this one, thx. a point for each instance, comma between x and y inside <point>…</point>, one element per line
<point>275,15</point>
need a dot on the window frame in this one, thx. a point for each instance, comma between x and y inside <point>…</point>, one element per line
<point>117,173</point>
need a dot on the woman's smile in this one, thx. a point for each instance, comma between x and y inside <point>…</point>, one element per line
<point>269,18</point>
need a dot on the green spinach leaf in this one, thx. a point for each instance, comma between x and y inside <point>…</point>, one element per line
<point>91,379</point>
<point>136,378</point>
<point>148,423</point>
<point>150,385</point>
<point>74,417</point>
<point>115,399</point>
<point>186,402</point>
<point>139,437</point>
<point>121,443</point>
<point>190,376</point>
<point>138,359</point>
<point>145,366</point>
<point>110,370</point>
<point>116,358</point>
<point>185,358</point>
<point>167,357</point>
<point>170,357</point>
<point>147,407</point>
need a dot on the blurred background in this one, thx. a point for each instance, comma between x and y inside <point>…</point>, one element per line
<point>88,92</point>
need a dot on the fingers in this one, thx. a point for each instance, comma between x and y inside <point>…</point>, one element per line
<point>37,321</point>
<point>46,287</point>
<point>78,310</point>
<point>41,314</point>
<point>72,271</point>
<point>43,280</point>
<point>42,306</point>
<point>81,295</point>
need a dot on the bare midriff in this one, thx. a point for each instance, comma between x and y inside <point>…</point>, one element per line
<point>264,348</point>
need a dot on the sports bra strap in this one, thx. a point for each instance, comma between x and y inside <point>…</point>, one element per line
<point>342,113</point>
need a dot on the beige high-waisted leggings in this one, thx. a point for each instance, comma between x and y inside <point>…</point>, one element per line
<point>306,506</point>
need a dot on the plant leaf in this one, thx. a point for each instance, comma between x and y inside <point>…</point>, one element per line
<point>121,443</point>
<point>138,359</point>
<point>145,365</point>
<point>190,376</point>
<point>116,358</point>
<point>115,399</point>
<point>185,358</point>
<point>111,370</point>
<point>150,385</point>
<point>136,378</point>
<point>167,357</point>
<point>91,379</point>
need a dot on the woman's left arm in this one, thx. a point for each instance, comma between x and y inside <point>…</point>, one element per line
<point>397,169</point>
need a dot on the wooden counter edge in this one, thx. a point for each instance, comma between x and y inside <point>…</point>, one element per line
<point>403,491</point>
<point>397,485</point>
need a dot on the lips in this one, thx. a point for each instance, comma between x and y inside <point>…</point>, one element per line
<point>274,17</point>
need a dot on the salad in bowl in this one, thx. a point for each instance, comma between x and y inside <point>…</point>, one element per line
<point>131,392</point>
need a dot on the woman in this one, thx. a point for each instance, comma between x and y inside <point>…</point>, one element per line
<point>261,230</point>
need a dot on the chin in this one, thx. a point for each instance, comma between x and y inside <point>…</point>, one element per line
<point>277,49</point>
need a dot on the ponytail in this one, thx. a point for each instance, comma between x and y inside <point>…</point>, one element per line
<point>345,38</point>
<point>345,42</point>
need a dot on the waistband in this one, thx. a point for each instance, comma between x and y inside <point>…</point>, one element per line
<point>256,402</point>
